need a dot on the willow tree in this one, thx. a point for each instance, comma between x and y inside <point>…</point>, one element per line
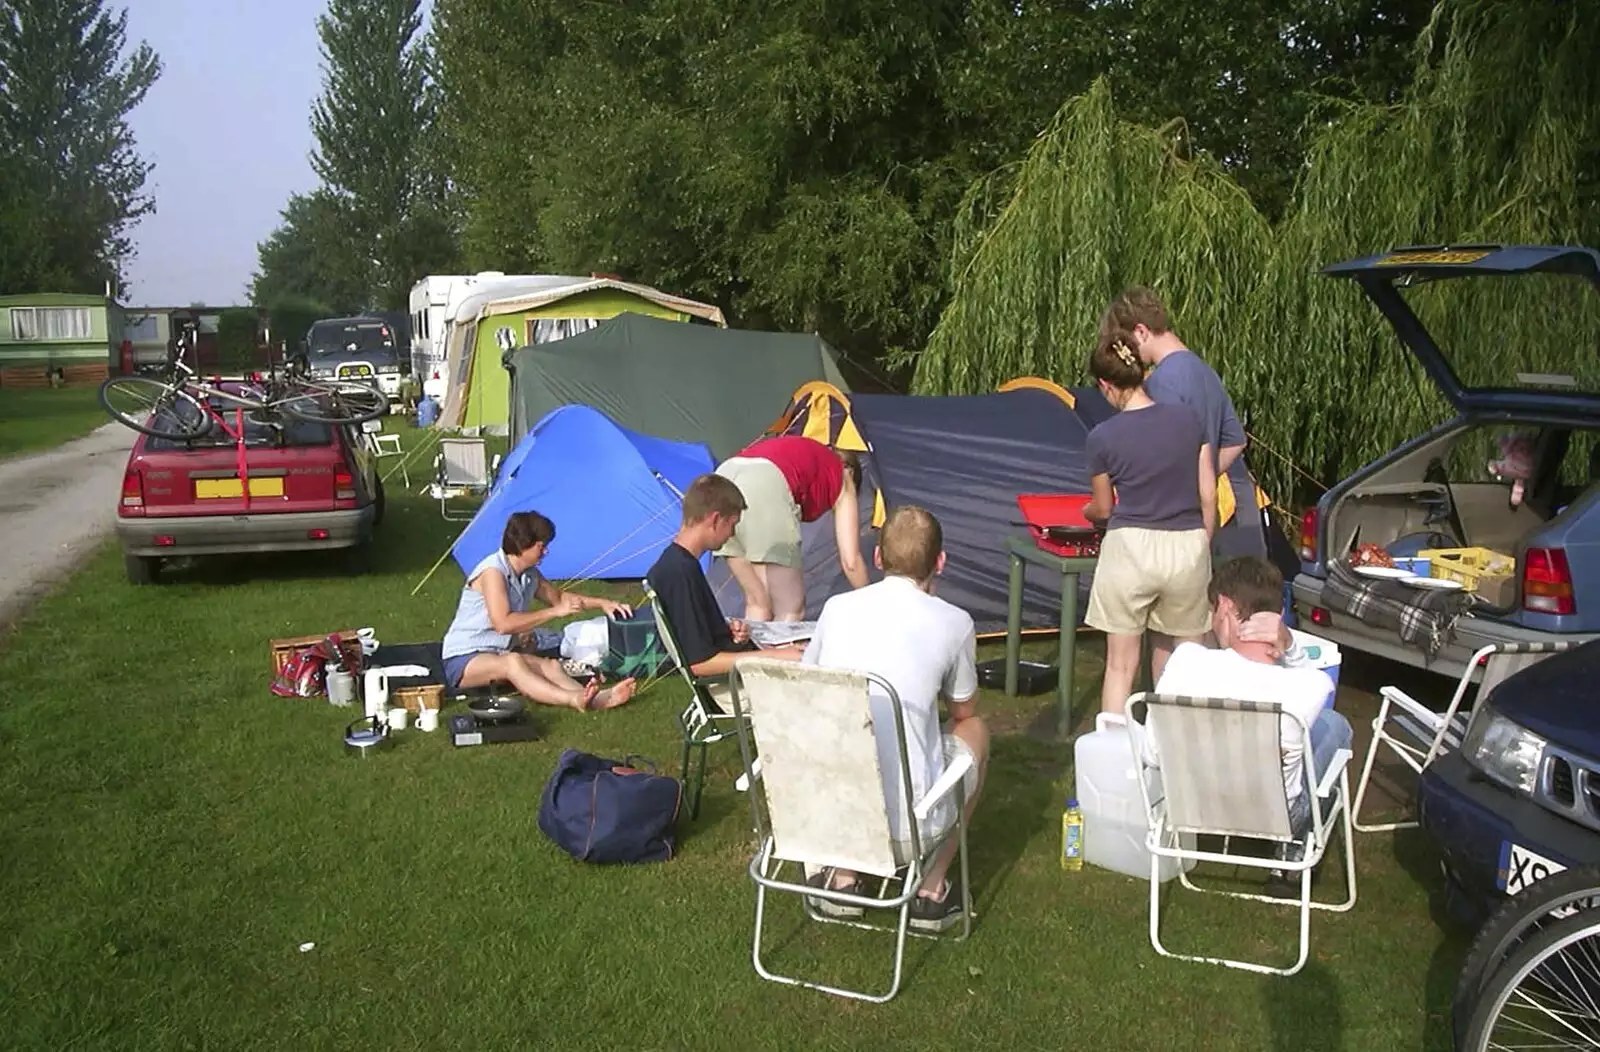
<point>1496,140</point>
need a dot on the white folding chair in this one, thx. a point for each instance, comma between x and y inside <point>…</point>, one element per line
<point>1221,763</point>
<point>1417,734</point>
<point>461,469</point>
<point>823,791</point>
<point>387,444</point>
<point>706,720</point>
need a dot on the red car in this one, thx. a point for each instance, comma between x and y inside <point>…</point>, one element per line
<point>310,486</point>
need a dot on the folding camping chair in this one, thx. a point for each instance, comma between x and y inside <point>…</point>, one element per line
<point>1221,764</point>
<point>387,444</point>
<point>822,787</point>
<point>706,720</point>
<point>1418,735</point>
<point>461,469</point>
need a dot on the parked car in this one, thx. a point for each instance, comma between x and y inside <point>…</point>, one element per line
<point>362,348</point>
<point>1438,490</point>
<point>1521,799</point>
<point>310,486</point>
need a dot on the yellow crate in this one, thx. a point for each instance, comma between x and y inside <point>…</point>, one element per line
<point>1469,566</point>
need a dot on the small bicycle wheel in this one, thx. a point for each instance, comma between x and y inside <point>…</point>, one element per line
<point>1546,995</point>
<point>154,407</point>
<point>335,402</point>
<point>1518,918</point>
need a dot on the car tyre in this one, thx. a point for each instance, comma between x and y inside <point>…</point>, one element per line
<point>380,503</point>
<point>358,558</point>
<point>142,569</point>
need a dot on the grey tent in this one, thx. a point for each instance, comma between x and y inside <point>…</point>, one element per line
<point>687,383</point>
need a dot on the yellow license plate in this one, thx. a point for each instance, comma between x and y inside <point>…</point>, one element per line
<point>221,488</point>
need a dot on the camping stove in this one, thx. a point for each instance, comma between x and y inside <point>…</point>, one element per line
<point>467,729</point>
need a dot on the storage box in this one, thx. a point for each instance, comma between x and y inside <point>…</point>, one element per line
<point>1033,677</point>
<point>413,699</point>
<point>1469,566</point>
<point>1320,653</point>
<point>282,649</point>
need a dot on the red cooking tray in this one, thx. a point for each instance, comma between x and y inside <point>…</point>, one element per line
<point>1057,523</point>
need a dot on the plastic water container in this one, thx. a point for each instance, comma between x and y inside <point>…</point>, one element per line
<point>427,412</point>
<point>1323,653</point>
<point>1114,826</point>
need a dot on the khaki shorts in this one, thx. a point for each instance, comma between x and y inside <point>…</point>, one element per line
<point>769,529</point>
<point>1153,579</point>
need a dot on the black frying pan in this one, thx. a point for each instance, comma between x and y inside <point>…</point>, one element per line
<point>495,710</point>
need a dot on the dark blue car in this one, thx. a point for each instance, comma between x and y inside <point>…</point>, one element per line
<point>1521,798</point>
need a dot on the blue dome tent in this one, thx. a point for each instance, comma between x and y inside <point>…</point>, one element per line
<point>613,494</point>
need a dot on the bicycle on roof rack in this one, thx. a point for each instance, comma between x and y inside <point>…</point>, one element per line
<point>181,405</point>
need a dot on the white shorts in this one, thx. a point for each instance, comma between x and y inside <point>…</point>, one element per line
<point>935,829</point>
<point>1155,579</point>
<point>769,529</point>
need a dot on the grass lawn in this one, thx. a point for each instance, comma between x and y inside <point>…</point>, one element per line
<point>45,417</point>
<point>173,834</point>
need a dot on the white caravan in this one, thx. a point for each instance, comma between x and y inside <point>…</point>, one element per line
<point>434,302</point>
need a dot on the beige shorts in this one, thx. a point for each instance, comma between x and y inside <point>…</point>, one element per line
<point>1153,579</point>
<point>769,529</point>
<point>935,831</point>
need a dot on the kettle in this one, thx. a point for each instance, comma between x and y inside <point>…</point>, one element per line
<point>375,688</point>
<point>366,736</point>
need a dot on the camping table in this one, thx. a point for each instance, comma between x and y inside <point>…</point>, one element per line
<point>1022,551</point>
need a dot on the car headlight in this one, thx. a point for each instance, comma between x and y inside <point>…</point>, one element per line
<point>1504,750</point>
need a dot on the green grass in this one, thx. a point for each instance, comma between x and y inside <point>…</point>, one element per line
<point>46,417</point>
<point>173,833</point>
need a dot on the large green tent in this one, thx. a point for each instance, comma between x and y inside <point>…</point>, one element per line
<point>689,383</point>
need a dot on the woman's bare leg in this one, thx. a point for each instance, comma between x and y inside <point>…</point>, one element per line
<point>787,587</point>
<point>1122,665</point>
<point>524,673</point>
<point>753,583</point>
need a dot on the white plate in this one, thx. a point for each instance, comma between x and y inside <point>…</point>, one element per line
<point>1436,582</point>
<point>1392,573</point>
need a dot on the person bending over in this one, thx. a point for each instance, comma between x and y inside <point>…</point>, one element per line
<point>708,642</point>
<point>925,647</point>
<point>492,618</point>
<point>1150,469</point>
<point>786,481</point>
<point>1255,662</point>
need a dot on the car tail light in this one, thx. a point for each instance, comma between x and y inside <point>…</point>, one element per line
<point>344,485</point>
<point>1547,582</point>
<point>1321,617</point>
<point>1308,535</point>
<point>132,489</point>
<point>317,535</point>
<point>165,540</point>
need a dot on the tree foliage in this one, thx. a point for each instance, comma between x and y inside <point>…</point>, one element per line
<point>379,219</point>
<point>71,179</point>
<point>1496,140</point>
<point>803,164</point>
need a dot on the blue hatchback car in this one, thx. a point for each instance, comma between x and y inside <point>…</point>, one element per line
<point>1521,799</point>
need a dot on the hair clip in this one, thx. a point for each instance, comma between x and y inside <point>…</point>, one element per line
<point>1126,354</point>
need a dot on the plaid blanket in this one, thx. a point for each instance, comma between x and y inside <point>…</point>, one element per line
<point>1420,616</point>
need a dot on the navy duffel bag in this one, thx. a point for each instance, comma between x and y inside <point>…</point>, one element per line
<point>600,810</point>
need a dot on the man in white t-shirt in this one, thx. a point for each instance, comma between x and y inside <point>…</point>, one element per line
<point>1250,664</point>
<point>899,630</point>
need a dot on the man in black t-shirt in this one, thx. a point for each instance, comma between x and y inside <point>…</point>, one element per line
<point>708,642</point>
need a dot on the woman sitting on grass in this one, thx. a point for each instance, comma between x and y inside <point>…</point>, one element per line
<point>492,619</point>
<point>1152,477</point>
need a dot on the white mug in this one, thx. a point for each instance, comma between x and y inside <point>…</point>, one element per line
<point>397,718</point>
<point>427,719</point>
<point>369,641</point>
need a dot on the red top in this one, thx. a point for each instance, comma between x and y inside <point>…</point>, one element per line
<point>814,472</point>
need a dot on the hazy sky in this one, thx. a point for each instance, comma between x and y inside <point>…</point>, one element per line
<point>228,128</point>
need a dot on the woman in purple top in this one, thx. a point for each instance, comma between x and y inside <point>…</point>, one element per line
<point>1155,487</point>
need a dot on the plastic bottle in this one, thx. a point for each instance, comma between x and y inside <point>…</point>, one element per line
<point>1072,837</point>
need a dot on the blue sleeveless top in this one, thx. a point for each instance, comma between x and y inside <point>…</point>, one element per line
<point>471,632</point>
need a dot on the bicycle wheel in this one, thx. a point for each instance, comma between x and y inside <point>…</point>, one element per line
<point>335,402</point>
<point>1518,918</point>
<point>154,407</point>
<point>1546,995</point>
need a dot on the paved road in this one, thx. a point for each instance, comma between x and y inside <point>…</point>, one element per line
<point>56,508</point>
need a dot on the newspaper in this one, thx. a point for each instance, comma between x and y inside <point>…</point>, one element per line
<point>780,633</point>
